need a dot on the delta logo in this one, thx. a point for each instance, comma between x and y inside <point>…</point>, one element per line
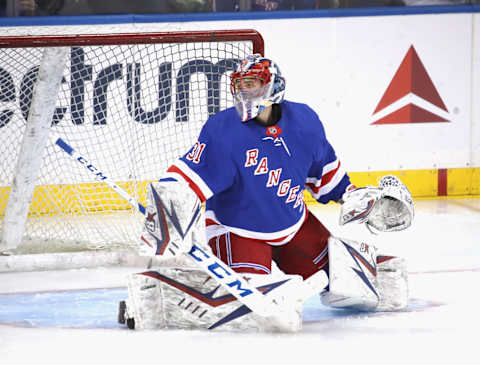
<point>411,96</point>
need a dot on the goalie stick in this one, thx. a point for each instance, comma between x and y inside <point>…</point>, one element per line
<point>230,280</point>
<point>98,173</point>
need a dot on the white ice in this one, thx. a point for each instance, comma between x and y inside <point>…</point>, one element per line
<point>440,326</point>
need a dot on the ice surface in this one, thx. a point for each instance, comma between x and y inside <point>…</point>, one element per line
<point>69,317</point>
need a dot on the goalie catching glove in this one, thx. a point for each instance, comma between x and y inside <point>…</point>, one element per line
<point>386,208</point>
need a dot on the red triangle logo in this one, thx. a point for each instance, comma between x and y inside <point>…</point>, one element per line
<point>411,77</point>
<point>410,114</point>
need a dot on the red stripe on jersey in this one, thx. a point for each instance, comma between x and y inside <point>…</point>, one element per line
<point>278,239</point>
<point>210,222</point>
<point>324,181</point>
<point>329,175</point>
<point>267,240</point>
<point>192,185</point>
<point>284,237</point>
<point>312,187</point>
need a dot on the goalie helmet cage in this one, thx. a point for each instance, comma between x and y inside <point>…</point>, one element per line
<point>129,103</point>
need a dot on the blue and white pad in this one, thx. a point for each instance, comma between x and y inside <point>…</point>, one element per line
<point>352,275</point>
<point>174,220</point>
<point>360,278</point>
<point>187,298</point>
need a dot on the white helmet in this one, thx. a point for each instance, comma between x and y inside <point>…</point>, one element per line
<point>250,103</point>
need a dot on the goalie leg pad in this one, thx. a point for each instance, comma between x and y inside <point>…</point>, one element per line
<point>392,279</point>
<point>352,275</point>
<point>190,299</point>
<point>145,302</point>
<point>361,279</point>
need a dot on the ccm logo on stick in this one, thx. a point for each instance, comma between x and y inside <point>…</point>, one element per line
<point>92,168</point>
<point>221,272</point>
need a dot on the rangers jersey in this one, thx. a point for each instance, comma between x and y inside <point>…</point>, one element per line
<point>252,177</point>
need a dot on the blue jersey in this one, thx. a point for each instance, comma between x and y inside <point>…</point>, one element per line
<point>252,177</point>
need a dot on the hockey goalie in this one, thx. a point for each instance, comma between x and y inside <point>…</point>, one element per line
<point>255,254</point>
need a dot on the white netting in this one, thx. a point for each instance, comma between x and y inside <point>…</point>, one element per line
<point>131,109</point>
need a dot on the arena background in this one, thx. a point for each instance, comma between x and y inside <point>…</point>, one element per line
<point>396,88</point>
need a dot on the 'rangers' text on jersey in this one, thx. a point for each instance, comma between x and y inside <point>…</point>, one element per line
<point>252,177</point>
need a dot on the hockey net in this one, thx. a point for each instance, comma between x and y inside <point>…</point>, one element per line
<point>130,103</point>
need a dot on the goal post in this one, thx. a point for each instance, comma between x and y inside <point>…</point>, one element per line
<point>131,102</point>
<point>32,145</point>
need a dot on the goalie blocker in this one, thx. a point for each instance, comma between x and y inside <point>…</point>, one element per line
<point>179,295</point>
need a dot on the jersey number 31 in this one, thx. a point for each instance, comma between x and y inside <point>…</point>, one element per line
<point>196,152</point>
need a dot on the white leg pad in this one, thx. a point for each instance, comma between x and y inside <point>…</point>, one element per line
<point>392,280</point>
<point>361,279</point>
<point>145,302</point>
<point>190,299</point>
<point>352,275</point>
<point>289,296</point>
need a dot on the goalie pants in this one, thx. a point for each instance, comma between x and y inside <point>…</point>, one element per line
<point>304,255</point>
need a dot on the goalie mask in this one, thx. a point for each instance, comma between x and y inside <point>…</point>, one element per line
<point>255,85</point>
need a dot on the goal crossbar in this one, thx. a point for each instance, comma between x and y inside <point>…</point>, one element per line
<point>135,38</point>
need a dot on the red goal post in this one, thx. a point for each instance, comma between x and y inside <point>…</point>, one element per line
<point>131,102</point>
<point>240,35</point>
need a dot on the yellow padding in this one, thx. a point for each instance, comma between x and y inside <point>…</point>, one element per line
<point>463,181</point>
<point>78,199</point>
<point>419,182</point>
<point>95,197</point>
<point>4,191</point>
<point>423,183</point>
